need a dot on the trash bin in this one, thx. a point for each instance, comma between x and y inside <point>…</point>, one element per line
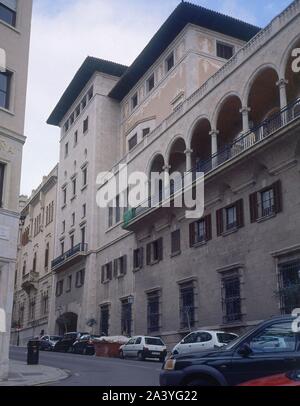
<point>33,351</point>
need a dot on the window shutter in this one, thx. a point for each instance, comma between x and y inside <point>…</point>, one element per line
<point>192,234</point>
<point>277,188</point>
<point>125,265</point>
<point>141,255</point>
<point>253,201</point>
<point>208,228</point>
<point>148,254</point>
<point>102,274</point>
<point>160,249</point>
<point>220,225</point>
<point>110,270</point>
<point>240,213</point>
<point>115,268</point>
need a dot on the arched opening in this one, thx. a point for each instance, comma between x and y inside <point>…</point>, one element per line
<point>66,323</point>
<point>155,179</point>
<point>264,98</point>
<point>201,146</point>
<point>230,127</point>
<point>177,163</point>
<point>293,85</point>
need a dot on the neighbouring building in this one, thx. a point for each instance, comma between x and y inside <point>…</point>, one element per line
<point>33,279</point>
<point>15,22</point>
<point>210,94</point>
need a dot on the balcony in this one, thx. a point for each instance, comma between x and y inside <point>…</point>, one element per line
<point>74,255</point>
<point>30,281</point>
<point>230,152</point>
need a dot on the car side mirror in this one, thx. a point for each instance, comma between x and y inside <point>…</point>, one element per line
<point>245,350</point>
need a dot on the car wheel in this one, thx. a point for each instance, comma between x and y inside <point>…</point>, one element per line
<point>141,356</point>
<point>202,382</point>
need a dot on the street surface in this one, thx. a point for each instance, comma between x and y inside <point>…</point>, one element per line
<point>94,371</point>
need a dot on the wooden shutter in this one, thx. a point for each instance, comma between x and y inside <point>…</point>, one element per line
<point>240,213</point>
<point>277,189</point>
<point>141,257</point>
<point>148,254</point>
<point>124,264</point>
<point>192,234</point>
<point>220,224</point>
<point>253,202</point>
<point>110,271</point>
<point>115,268</point>
<point>160,249</point>
<point>175,241</point>
<point>208,228</point>
<point>103,274</point>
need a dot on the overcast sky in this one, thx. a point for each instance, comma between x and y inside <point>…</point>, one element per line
<point>64,32</point>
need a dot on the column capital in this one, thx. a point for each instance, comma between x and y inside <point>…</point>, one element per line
<point>188,151</point>
<point>166,168</point>
<point>245,109</point>
<point>214,132</point>
<point>282,82</point>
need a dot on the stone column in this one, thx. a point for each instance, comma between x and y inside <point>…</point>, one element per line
<point>282,92</point>
<point>188,159</point>
<point>245,115</point>
<point>214,146</point>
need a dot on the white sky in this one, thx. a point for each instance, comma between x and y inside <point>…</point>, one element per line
<point>64,32</point>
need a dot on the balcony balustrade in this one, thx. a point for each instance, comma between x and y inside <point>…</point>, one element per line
<point>69,257</point>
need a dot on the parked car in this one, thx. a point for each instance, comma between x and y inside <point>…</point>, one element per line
<point>203,340</point>
<point>239,361</point>
<point>47,343</point>
<point>144,347</point>
<point>85,345</point>
<point>66,343</point>
<point>289,379</point>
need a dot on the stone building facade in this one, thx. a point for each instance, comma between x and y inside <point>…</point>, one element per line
<point>186,109</point>
<point>33,279</point>
<point>15,19</point>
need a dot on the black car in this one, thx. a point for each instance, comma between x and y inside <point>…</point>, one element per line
<point>66,343</point>
<point>85,345</point>
<point>271,348</point>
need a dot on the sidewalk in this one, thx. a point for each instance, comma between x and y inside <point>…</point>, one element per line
<point>21,374</point>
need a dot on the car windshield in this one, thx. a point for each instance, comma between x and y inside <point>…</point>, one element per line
<point>55,338</point>
<point>226,338</point>
<point>237,340</point>
<point>154,341</point>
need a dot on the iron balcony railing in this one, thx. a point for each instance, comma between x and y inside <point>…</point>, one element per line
<point>241,144</point>
<point>77,249</point>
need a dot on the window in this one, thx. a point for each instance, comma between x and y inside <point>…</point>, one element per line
<point>83,210</point>
<point>83,235</point>
<point>150,83</point>
<point>72,241</point>
<point>266,203</point>
<point>63,227</point>
<point>187,305</point>
<point>289,285</point>
<point>66,126</point>
<point>126,318</point>
<point>155,252</point>
<point>77,111</point>
<point>59,288</point>
<point>75,138</point>
<point>175,242</point>
<point>83,103</point>
<point>153,312</point>
<point>90,94</point>
<point>170,62</point>
<point>146,131</point>
<point>132,142</point>
<point>138,258</point>
<point>8,11</point>
<point>134,101</point>
<point>69,284</point>
<point>45,304</point>
<point>106,272</point>
<point>200,231</point>
<point>72,119</point>
<point>80,278</point>
<point>224,51</point>
<point>278,337</point>
<point>74,187</point>
<point>231,297</point>
<point>5,82</point>
<point>62,248</point>
<point>84,176</point>
<point>104,320</point>
<point>66,149</point>
<point>24,269</point>
<point>118,209</point>
<point>34,262</point>
<point>230,218</point>
<point>64,197</point>
<point>47,256</point>
<point>85,125</point>
<point>32,309</point>
<point>110,216</point>
<point>120,266</point>
<point>2,172</point>
<point>73,219</point>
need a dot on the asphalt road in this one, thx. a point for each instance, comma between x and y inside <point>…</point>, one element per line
<point>94,371</point>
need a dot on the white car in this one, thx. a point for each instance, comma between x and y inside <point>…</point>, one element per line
<point>203,340</point>
<point>142,347</point>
